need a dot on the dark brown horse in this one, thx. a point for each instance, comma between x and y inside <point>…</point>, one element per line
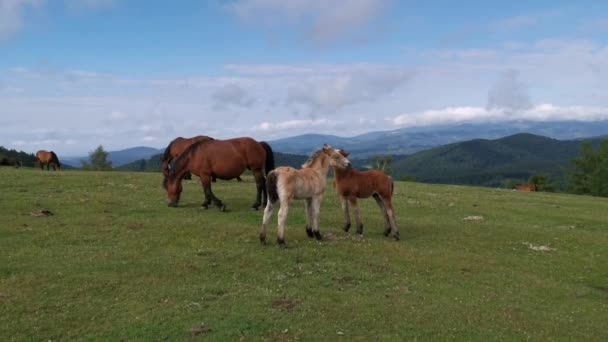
<point>224,159</point>
<point>47,158</point>
<point>176,148</point>
<point>351,184</point>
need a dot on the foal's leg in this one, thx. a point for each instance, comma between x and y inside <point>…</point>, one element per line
<point>308,213</point>
<point>387,223</point>
<point>283,210</point>
<point>260,183</point>
<point>346,213</point>
<point>391,216</point>
<point>316,208</point>
<point>267,216</point>
<point>353,203</point>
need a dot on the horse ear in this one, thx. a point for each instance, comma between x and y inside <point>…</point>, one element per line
<point>344,153</point>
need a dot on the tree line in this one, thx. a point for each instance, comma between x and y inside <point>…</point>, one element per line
<point>586,175</point>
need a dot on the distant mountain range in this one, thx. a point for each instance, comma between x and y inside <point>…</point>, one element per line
<point>118,158</point>
<point>476,154</point>
<point>480,162</point>
<point>411,140</point>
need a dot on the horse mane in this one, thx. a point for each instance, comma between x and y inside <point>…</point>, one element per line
<point>55,159</point>
<point>312,158</point>
<point>180,166</point>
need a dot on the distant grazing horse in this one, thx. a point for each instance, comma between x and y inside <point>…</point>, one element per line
<point>351,184</point>
<point>526,187</point>
<point>286,183</point>
<point>224,159</point>
<point>176,148</point>
<point>47,158</point>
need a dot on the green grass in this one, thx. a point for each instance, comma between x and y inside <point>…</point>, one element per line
<point>114,262</point>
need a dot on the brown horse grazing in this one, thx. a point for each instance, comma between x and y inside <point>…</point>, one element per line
<point>351,184</point>
<point>525,187</point>
<point>176,147</point>
<point>286,183</point>
<point>47,158</point>
<point>224,159</point>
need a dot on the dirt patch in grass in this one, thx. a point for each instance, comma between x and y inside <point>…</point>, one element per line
<point>42,213</point>
<point>135,226</point>
<point>284,304</point>
<point>200,329</point>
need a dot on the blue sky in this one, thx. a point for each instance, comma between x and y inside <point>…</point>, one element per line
<point>78,73</point>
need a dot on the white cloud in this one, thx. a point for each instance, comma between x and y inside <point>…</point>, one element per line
<point>149,138</point>
<point>295,124</point>
<point>11,15</point>
<point>542,112</point>
<point>270,101</point>
<point>508,93</point>
<point>322,23</point>
<point>231,94</point>
<point>330,93</point>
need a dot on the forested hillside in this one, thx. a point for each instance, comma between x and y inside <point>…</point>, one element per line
<point>491,162</point>
<point>10,157</point>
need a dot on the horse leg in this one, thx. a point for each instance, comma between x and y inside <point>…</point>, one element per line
<point>357,214</point>
<point>283,210</point>
<point>316,208</point>
<point>387,223</point>
<point>346,213</point>
<point>391,216</point>
<point>238,179</point>
<point>308,212</point>
<point>206,191</point>
<point>260,181</point>
<point>267,216</point>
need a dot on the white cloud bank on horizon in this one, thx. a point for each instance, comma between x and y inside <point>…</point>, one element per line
<point>76,110</point>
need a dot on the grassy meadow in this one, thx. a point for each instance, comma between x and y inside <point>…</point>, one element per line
<point>114,263</point>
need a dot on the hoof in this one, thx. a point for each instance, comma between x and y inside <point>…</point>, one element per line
<point>263,239</point>
<point>387,232</point>
<point>318,235</point>
<point>360,230</point>
<point>281,242</point>
<point>172,205</point>
<point>346,227</point>
<point>222,207</point>
<point>204,206</point>
<point>309,232</point>
<point>254,208</point>
<point>396,236</point>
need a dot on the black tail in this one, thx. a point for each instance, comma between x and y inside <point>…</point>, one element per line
<point>269,157</point>
<point>164,163</point>
<point>271,187</point>
<point>55,160</point>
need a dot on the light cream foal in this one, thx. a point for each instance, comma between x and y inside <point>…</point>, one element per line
<point>286,183</point>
